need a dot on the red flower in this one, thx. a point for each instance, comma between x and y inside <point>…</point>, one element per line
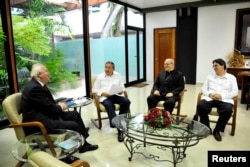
<point>166,122</point>
<point>150,116</point>
<point>165,113</point>
<point>156,114</point>
<point>153,123</point>
<point>158,118</point>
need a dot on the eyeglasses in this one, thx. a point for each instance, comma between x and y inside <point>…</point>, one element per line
<point>216,65</point>
<point>167,64</point>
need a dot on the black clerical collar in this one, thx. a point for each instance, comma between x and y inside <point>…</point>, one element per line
<point>169,72</point>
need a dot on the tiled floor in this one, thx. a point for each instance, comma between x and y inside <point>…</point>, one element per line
<point>111,153</point>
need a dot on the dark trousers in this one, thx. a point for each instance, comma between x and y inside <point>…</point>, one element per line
<point>169,103</point>
<point>71,120</point>
<point>109,105</point>
<point>67,120</point>
<point>224,110</point>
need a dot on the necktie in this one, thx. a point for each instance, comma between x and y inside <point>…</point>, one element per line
<point>45,88</point>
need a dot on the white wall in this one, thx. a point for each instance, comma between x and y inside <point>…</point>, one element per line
<point>216,30</point>
<point>156,20</point>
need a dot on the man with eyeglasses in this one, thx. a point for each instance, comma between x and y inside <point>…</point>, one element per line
<point>168,85</point>
<point>218,91</point>
<point>38,105</point>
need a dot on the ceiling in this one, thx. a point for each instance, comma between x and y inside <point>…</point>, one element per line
<point>164,5</point>
<point>146,6</point>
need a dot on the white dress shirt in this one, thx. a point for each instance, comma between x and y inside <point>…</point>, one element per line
<point>104,82</point>
<point>225,85</point>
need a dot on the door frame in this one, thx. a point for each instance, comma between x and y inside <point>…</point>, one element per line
<point>139,78</point>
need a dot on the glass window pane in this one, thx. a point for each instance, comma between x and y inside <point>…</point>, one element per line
<point>107,41</point>
<point>50,33</point>
<point>135,18</point>
<point>4,85</point>
<point>141,55</point>
<point>132,55</point>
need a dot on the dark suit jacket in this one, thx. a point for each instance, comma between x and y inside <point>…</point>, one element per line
<point>39,105</point>
<point>169,82</point>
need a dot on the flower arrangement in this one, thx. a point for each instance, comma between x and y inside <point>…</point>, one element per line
<point>158,118</point>
<point>236,59</point>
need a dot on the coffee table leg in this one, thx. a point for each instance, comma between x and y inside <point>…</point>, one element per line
<point>129,144</point>
<point>178,154</point>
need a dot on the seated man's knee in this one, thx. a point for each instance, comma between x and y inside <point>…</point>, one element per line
<point>127,101</point>
<point>149,98</point>
<point>170,101</point>
<point>201,107</point>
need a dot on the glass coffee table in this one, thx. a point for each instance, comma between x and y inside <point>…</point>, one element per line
<point>77,102</point>
<point>138,136</point>
<point>65,143</point>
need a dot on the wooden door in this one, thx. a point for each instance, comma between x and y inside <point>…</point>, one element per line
<point>164,47</point>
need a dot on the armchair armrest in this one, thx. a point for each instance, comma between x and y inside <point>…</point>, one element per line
<point>43,130</point>
<point>43,159</point>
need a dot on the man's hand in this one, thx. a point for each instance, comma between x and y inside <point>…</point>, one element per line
<point>169,94</point>
<point>215,96</point>
<point>63,105</point>
<point>105,94</point>
<point>156,92</point>
<point>120,93</point>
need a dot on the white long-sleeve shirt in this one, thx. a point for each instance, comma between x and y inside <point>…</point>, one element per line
<point>226,86</point>
<point>104,82</point>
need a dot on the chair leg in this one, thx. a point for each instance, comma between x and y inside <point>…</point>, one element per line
<point>19,164</point>
<point>97,123</point>
<point>232,131</point>
<point>233,128</point>
<point>248,98</point>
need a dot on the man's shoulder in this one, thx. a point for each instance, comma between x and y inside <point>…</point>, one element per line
<point>178,72</point>
<point>116,73</point>
<point>101,75</point>
<point>31,83</point>
<point>228,75</point>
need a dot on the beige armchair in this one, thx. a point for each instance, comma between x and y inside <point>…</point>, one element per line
<point>43,159</point>
<point>100,108</point>
<point>214,112</point>
<point>12,107</point>
<point>177,108</point>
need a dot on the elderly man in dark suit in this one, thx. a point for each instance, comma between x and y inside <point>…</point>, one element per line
<point>39,105</point>
<point>167,87</point>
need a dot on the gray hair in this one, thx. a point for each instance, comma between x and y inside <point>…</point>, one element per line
<point>36,69</point>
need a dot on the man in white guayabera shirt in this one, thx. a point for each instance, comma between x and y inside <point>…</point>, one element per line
<point>218,91</point>
<point>103,83</point>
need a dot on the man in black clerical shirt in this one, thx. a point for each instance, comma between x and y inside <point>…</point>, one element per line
<point>167,87</point>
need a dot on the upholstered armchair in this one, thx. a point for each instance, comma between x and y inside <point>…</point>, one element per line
<point>12,108</point>
<point>100,108</point>
<point>214,113</point>
<point>43,159</point>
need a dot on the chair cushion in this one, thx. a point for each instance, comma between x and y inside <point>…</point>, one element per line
<point>12,107</point>
<point>43,159</point>
<point>214,112</point>
<point>160,104</point>
<point>103,109</point>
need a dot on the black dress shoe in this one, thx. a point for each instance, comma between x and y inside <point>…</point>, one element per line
<point>69,159</point>
<point>120,136</point>
<point>88,148</point>
<point>217,136</point>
